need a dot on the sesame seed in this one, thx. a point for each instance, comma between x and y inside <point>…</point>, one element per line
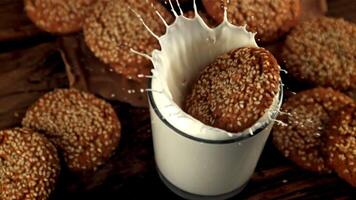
<point>269,18</point>
<point>226,94</point>
<point>343,143</point>
<point>22,167</point>
<point>58,16</point>
<point>78,124</point>
<point>322,52</point>
<point>113,28</point>
<point>310,113</point>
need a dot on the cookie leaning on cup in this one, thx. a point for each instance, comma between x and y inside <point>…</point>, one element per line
<point>309,113</point>
<point>83,127</point>
<point>29,165</point>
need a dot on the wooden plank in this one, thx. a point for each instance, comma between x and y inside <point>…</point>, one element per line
<point>25,75</point>
<point>342,8</point>
<point>14,24</point>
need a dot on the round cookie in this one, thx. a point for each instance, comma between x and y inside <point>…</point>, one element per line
<point>85,128</point>
<point>301,140</point>
<point>236,90</point>
<point>341,144</point>
<point>322,51</point>
<point>29,165</point>
<point>113,28</point>
<point>58,16</point>
<point>270,18</point>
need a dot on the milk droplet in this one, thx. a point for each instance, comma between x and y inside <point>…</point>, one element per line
<point>285,113</point>
<point>283,70</point>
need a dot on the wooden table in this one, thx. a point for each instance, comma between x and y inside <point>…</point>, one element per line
<point>31,65</point>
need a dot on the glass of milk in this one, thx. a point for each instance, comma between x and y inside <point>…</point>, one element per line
<point>194,160</point>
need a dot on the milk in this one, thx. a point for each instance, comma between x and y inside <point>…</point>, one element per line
<point>196,160</point>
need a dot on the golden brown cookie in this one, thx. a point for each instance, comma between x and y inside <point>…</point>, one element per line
<point>58,16</point>
<point>269,18</point>
<point>29,165</point>
<point>309,112</point>
<point>322,51</point>
<point>82,126</point>
<point>234,91</point>
<point>341,144</point>
<point>113,28</point>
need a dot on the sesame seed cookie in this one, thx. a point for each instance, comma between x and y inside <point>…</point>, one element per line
<point>58,16</point>
<point>113,29</point>
<point>341,144</point>
<point>85,128</point>
<point>308,114</point>
<point>29,165</point>
<point>270,18</point>
<point>234,91</point>
<point>322,51</point>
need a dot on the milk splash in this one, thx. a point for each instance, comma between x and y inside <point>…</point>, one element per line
<point>186,48</point>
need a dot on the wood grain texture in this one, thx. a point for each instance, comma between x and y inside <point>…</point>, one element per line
<point>342,8</point>
<point>14,23</point>
<point>31,65</point>
<point>25,75</point>
<point>86,72</point>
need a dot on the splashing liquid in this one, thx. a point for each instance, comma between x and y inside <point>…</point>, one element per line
<point>186,48</point>
<point>192,157</point>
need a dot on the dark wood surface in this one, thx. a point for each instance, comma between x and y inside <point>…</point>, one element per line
<point>31,64</point>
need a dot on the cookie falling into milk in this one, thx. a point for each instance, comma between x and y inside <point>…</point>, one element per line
<point>236,90</point>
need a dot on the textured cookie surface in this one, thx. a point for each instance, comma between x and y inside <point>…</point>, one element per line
<point>269,18</point>
<point>113,28</point>
<point>322,52</point>
<point>83,127</point>
<point>29,165</point>
<point>341,144</point>
<point>234,91</point>
<point>309,112</point>
<point>58,16</point>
